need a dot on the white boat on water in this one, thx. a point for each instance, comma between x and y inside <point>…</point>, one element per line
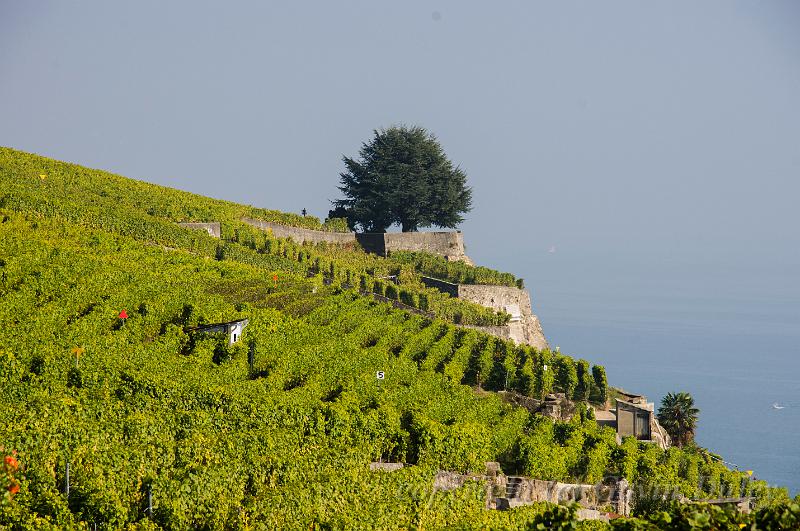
<point>777,406</point>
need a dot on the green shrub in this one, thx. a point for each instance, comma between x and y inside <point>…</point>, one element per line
<point>409,298</point>
<point>567,376</point>
<point>485,361</point>
<point>74,377</point>
<point>584,381</point>
<point>335,225</point>
<point>782,516</point>
<point>37,365</point>
<point>463,448</point>
<point>556,518</point>
<point>379,288</point>
<point>391,291</point>
<point>600,387</point>
<point>544,375</point>
<point>453,271</point>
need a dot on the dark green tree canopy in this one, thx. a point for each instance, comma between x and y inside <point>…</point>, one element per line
<point>678,416</point>
<point>403,177</point>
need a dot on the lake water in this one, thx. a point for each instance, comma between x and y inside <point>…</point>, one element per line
<point>729,335</point>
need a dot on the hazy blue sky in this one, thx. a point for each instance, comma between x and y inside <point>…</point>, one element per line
<point>601,128</point>
<point>656,146</point>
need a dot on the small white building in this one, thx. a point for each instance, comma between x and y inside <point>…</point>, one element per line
<point>233,329</point>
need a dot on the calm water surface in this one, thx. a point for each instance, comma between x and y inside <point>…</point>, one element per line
<point>728,335</point>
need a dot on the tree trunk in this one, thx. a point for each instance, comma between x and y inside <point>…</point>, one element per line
<point>408,226</point>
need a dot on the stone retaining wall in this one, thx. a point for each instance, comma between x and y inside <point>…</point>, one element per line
<point>212,227</point>
<point>442,285</point>
<point>618,495</point>
<point>299,234</point>
<point>524,327</point>
<point>447,244</point>
<point>516,491</point>
<point>527,330</point>
<point>496,297</point>
<point>386,467</point>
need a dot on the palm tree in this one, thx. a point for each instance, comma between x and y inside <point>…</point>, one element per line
<point>678,416</point>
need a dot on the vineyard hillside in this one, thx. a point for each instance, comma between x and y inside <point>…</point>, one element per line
<point>119,412</point>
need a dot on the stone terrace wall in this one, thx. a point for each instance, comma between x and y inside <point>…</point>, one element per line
<point>497,297</point>
<point>299,234</point>
<point>528,330</point>
<point>212,227</point>
<point>516,491</point>
<point>510,332</point>
<point>527,490</point>
<point>372,242</point>
<point>443,286</point>
<point>447,244</point>
<point>537,490</point>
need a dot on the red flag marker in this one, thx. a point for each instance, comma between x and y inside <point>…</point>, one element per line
<point>275,279</point>
<point>123,314</point>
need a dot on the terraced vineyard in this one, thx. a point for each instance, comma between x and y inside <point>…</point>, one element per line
<point>455,272</point>
<point>162,427</point>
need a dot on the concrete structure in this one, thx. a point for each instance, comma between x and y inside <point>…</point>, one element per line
<point>591,514</point>
<point>634,420</point>
<point>634,416</point>
<point>211,227</point>
<point>301,235</point>
<point>233,329</point>
<point>606,418</point>
<point>493,469</point>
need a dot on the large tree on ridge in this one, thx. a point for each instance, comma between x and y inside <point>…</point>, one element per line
<point>402,176</point>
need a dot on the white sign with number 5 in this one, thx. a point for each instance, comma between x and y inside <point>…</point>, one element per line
<point>379,375</point>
